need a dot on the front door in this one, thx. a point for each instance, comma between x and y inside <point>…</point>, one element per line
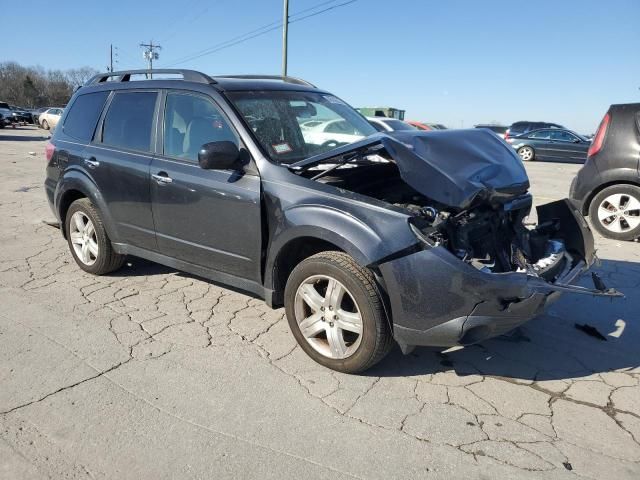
<point>209,218</point>
<point>568,147</point>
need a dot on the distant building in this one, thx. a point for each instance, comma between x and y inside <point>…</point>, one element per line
<point>389,112</point>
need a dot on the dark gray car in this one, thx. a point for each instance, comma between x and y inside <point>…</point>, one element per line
<point>607,187</point>
<point>552,144</point>
<point>365,240</point>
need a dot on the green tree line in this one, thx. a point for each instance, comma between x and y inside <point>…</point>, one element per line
<point>33,87</point>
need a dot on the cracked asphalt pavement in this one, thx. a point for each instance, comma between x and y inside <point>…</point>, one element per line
<point>153,373</point>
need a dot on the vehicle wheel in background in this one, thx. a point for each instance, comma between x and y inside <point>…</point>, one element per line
<point>45,125</point>
<point>335,313</point>
<point>88,241</point>
<point>526,154</point>
<point>615,212</point>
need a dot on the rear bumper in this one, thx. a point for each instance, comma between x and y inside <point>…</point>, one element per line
<point>438,300</point>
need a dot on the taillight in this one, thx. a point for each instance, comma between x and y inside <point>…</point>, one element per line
<point>506,135</point>
<point>49,148</point>
<point>598,140</point>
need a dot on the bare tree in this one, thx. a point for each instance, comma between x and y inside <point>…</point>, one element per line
<point>79,76</point>
<point>36,87</point>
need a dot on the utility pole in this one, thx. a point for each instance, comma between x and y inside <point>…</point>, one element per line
<point>285,36</point>
<point>150,54</point>
<point>111,58</point>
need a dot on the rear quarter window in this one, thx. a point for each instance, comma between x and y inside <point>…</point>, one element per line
<point>83,115</point>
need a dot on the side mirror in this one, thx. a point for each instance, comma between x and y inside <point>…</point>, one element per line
<point>218,155</point>
<point>577,140</point>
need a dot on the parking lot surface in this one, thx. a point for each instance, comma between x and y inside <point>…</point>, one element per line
<point>152,373</point>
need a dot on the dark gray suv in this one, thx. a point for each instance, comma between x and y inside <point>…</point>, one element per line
<point>275,187</point>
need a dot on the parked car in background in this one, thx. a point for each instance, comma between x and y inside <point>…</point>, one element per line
<point>36,112</point>
<point>333,133</point>
<point>6,117</point>
<point>9,116</point>
<point>607,187</point>
<point>499,130</point>
<point>386,124</point>
<point>421,125</point>
<point>437,126</point>
<point>49,119</point>
<point>21,115</point>
<point>555,144</point>
<point>518,128</point>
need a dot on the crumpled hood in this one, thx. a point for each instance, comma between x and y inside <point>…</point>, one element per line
<point>458,167</point>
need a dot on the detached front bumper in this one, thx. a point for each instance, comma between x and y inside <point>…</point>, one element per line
<point>438,300</point>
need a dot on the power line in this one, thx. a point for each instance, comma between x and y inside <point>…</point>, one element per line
<point>173,31</point>
<point>259,31</point>
<point>322,11</point>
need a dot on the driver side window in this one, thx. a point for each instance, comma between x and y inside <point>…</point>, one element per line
<point>190,121</point>
<point>562,136</point>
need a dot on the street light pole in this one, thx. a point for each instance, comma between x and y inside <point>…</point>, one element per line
<point>285,36</point>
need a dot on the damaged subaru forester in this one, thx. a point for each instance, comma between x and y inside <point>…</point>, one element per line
<point>277,188</point>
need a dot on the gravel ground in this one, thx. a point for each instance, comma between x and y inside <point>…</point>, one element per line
<point>152,373</point>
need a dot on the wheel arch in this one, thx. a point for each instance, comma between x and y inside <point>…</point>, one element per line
<point>76,185</point>
<point>625,180</point>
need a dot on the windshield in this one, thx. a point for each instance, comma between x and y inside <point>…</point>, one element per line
<point>292,126</point>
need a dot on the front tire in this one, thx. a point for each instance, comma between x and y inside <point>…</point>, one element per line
<point>88,240</point>
<point>615,212</point>
<point>335,313</point>
<point>527,154</point>
<point>45,125</point>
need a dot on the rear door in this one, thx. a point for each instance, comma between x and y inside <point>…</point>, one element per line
<point>209,218</point>
<point>119,159</point>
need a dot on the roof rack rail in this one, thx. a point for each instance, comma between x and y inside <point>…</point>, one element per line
<point>125,75</point>
<point>287,79</point>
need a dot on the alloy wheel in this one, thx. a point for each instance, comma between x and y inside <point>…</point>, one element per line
<point>328,317</point>
<point>526,153</point>
<point>619,212</point>
<point>83,238</point>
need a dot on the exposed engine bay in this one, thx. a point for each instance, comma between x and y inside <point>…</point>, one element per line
<point>466,191</point>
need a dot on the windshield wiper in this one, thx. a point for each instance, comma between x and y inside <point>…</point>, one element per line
<point>342,161</point>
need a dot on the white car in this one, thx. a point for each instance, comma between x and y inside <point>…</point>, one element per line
<point>386,124</point>
<point>329,133</point>
<point>49,119</point>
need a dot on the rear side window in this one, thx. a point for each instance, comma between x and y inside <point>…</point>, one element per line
<point>542,134</point>
<point>129,119</point>
<point>83,116</point>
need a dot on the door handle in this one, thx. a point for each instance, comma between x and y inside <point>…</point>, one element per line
<point>91,162</point>
<point>162,178</point>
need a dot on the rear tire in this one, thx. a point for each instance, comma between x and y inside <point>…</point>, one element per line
<point>527,154</point>
<point>88,241</point>
<point>615,212</point>
<point>347,331</point>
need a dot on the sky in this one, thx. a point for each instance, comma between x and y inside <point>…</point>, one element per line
<point>457,62</point>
